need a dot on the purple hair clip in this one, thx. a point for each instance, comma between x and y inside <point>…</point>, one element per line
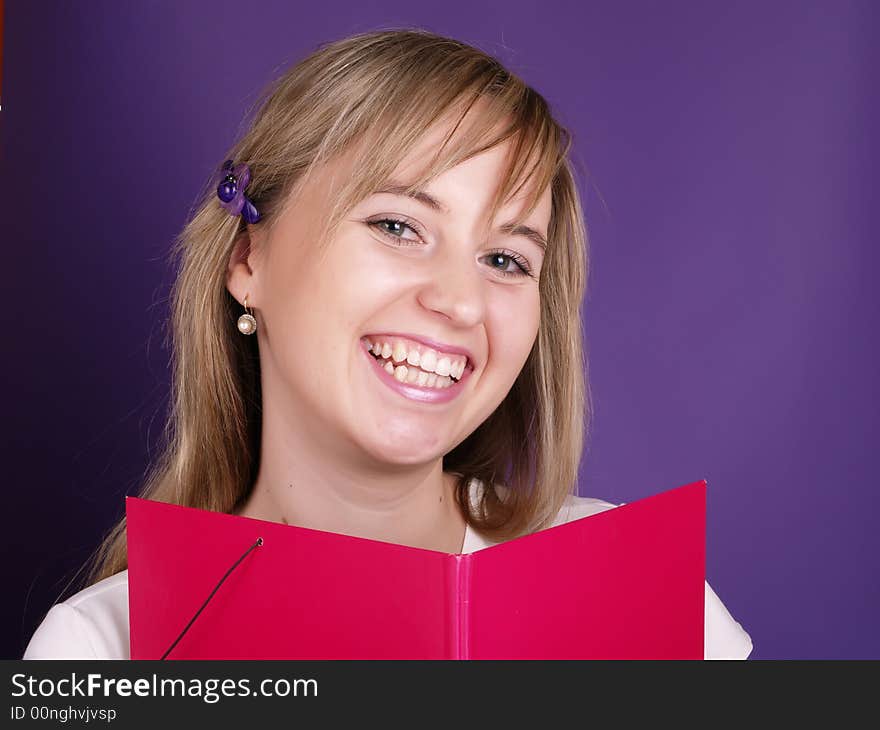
<point>231,191</point>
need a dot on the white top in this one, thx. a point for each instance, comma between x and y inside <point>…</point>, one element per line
<point>93,624</point>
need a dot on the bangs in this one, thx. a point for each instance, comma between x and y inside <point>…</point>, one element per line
<point>487,107</point>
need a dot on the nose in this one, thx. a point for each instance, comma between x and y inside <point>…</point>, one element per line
<point>456,290</point>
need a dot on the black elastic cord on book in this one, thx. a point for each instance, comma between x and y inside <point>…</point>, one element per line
<point>192,620</point>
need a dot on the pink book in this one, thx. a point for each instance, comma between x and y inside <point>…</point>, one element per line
<point>627,583</point>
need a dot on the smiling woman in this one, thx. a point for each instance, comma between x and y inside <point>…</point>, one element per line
<point>400,238</point>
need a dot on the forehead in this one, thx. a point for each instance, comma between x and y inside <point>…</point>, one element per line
<point>471,180</point>
<point>375,162</point>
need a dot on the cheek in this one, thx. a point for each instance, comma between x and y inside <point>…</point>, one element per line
<point>304,316</point>
<point>513,326</point>
<point>363,277</point>
<point>322,303</point>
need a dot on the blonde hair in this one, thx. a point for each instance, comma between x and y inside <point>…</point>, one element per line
<point>374,96</point>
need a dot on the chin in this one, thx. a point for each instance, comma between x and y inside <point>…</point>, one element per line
<point>407,447</point>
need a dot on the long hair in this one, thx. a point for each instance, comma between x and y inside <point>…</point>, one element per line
<point>373,96</point>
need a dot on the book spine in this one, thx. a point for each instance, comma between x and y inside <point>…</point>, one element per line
<point>463,564</point>
<point>452,599</point>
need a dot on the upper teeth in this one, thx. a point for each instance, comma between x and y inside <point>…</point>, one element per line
<point>420,356</point>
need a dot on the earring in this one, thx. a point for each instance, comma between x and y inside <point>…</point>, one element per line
<point>247,325</point>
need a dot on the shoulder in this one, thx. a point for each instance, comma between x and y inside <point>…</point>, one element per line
<point>724,636</point>
<point>574,508</point>
<point>92,624</point>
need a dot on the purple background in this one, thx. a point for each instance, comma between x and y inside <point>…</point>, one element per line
<point>731,321</point>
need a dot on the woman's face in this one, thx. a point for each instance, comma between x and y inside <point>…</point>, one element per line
<point>428,285</point>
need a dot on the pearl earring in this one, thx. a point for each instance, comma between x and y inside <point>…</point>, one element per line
<point>247,325</point>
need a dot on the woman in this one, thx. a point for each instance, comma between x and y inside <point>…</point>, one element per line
<point>379,318</point>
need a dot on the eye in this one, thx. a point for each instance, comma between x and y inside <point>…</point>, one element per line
<point>509,263</point>
<point>393,228</point>
<point>505,262</point>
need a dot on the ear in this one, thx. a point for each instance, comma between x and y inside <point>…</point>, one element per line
<point>242,270</point>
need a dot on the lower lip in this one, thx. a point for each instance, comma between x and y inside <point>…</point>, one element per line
<point>416,392</point>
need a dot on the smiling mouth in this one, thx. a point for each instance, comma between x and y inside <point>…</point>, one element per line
<point>413,374</point>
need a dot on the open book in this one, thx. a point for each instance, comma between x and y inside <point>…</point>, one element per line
<point>624,583</point>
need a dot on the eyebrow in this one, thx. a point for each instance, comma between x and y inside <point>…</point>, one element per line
<point>421,196</point>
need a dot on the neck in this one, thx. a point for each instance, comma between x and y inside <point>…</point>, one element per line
<point>299,484</point>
